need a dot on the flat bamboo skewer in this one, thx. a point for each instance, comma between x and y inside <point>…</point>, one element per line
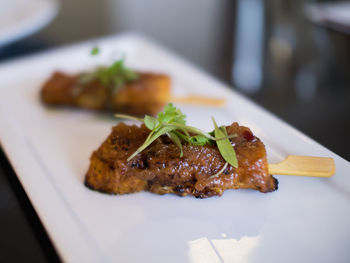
<point>304,166</point>
<point>198,100</point>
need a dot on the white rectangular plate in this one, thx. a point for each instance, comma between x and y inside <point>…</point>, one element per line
<point>306,220</point>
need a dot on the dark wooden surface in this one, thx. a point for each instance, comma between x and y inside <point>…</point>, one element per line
<point>22,238</point>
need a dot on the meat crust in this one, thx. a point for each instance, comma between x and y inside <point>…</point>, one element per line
<point>146,95</point>
<point>160,170</point>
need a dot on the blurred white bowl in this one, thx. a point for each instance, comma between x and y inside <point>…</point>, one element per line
<point>21,18</point>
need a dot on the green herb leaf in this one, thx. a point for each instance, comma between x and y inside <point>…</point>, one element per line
<point>199,140</point>
<point>150,122</point>
<point>150,139</point>
<point>224,145</point>
<point>191,129</point>
<point>95,51</point>
<point>113,77</point>
<point>176,140</point>
<point>171,114</point>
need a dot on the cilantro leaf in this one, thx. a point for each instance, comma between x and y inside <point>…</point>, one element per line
<point>150,122</point>
<point>171,114</point>
<point>199,140</point>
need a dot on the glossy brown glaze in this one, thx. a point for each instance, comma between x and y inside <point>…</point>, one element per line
<point>147,95</point>
<point>159,168</point>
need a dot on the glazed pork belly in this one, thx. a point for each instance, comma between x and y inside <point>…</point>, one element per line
<point>160,169</point>
<point>146,95</point>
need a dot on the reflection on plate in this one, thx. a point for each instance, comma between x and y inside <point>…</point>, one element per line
<point>306,220</point>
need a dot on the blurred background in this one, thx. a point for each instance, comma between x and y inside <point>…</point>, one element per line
<point>291,56</point>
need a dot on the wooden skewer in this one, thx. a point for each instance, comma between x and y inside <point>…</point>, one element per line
<point>304,166</point>
<point>199,100</point>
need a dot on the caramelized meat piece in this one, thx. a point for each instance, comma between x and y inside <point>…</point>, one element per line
<point>160,170</point>
<point>146,95</point>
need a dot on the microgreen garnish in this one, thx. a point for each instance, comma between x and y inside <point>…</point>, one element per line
<point>224,145</point>
<point>114,77</point>
<point>95,51</point>
<point>172,122</point>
